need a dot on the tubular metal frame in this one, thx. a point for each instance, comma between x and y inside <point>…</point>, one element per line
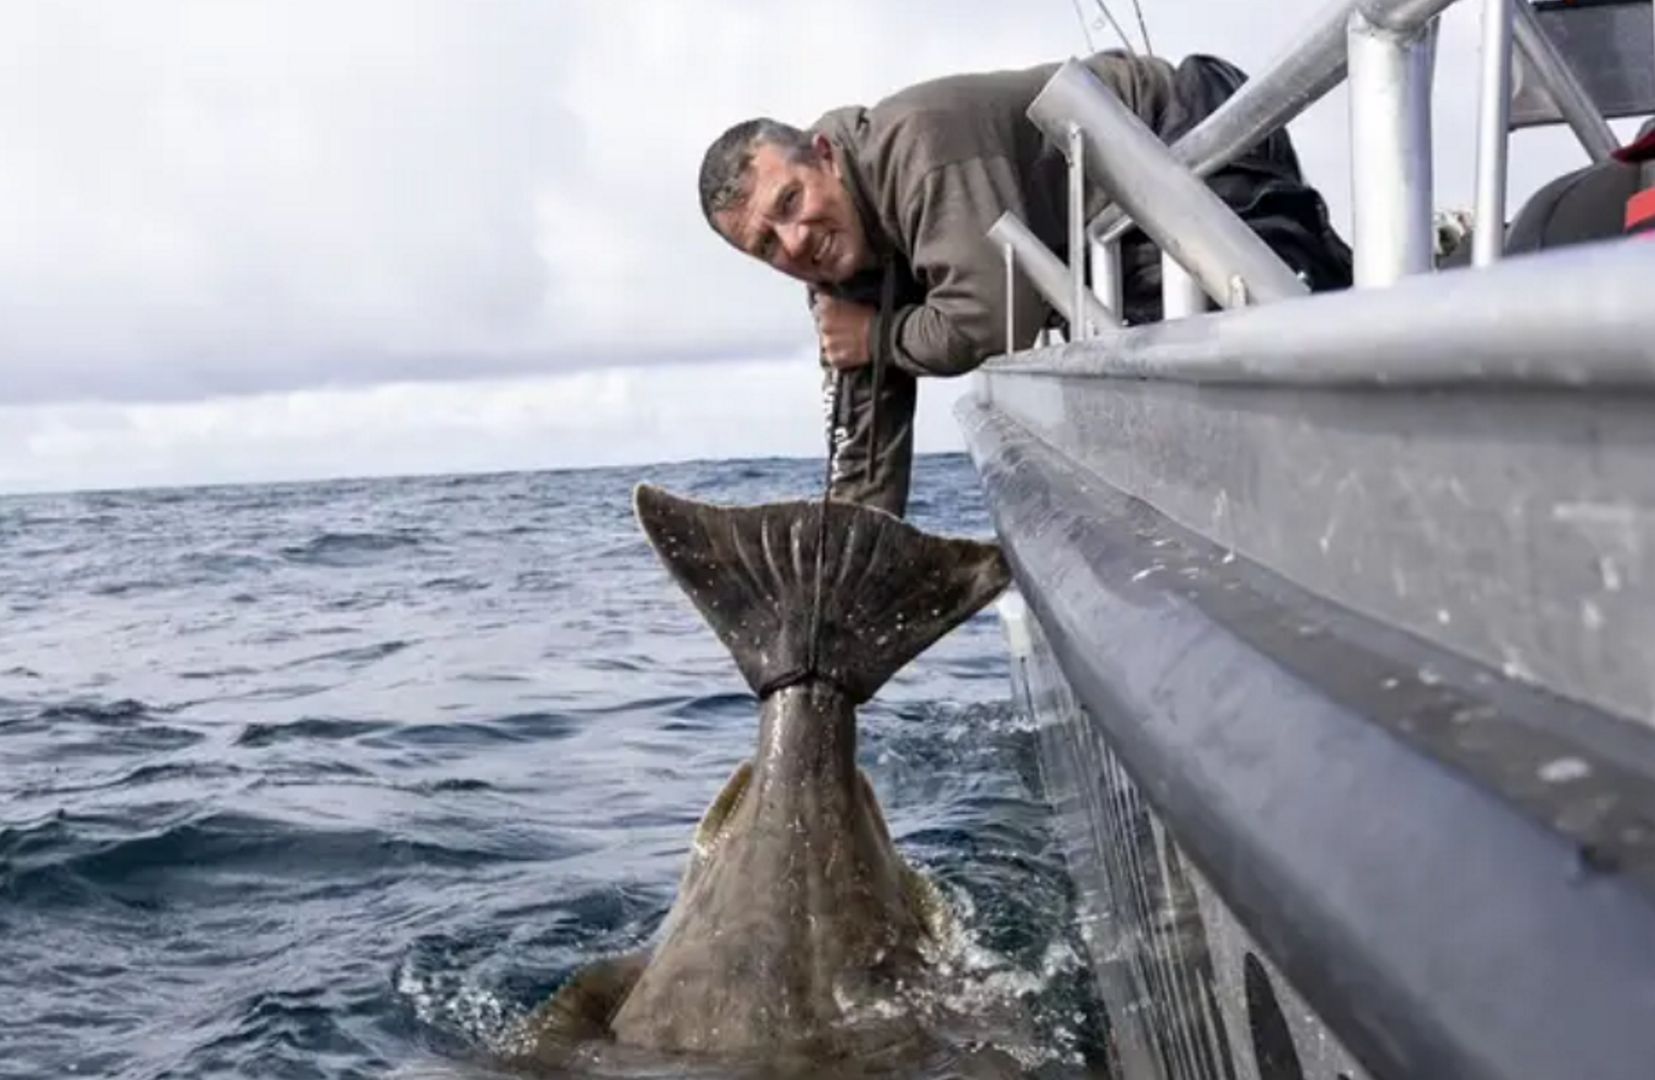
<point>1181,294</point>
<point>1106,459</point>
<point>1080,329</point>
<point>1388,49</point>
<point>1310,67</point>
<point>1390,121</point>
<point>1106,273</point>
<point>1570,319</point>
<point>1045,272</point>
<point>1180,212</point>
<point>1493,141</point>
<point>1316,62</point>
<point>1011,298</point>
<point>1567,93</point>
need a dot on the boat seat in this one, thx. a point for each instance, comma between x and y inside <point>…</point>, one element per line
<point>1579,207</point>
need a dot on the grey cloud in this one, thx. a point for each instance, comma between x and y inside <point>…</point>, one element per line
<point>301,180</point>
<point>186,376</point>
<point>203,197</point>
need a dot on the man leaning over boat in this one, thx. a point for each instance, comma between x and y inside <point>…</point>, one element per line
<point>883,212</point>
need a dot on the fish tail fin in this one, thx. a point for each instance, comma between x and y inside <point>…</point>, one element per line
<point>888,590</point>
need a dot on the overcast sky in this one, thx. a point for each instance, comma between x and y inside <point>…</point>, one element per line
<point>285,239</point>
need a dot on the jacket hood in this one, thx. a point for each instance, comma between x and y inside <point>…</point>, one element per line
<point>846,128</point>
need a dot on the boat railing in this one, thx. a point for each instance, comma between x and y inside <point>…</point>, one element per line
<point>1340,608</point>
<point>1388,48</point>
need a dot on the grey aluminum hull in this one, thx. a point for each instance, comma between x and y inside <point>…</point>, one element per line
<point>1346,689</point>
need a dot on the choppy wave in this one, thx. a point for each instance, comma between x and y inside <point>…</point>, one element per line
<point>222,855</point>
<point>307,729</point>
<point>346,549</point>
<point>341,780</point>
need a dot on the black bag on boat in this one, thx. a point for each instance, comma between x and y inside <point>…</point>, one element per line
<point>1264,186</point>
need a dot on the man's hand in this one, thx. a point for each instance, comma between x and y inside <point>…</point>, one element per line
<point>844,328</point>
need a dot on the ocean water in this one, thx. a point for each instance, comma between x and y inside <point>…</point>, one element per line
<point>341,779</point>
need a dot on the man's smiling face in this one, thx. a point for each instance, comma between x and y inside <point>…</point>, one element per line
<point>798,216</point>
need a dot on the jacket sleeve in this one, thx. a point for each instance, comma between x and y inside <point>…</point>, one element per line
<point>962,321</point>
<point>886,485</point>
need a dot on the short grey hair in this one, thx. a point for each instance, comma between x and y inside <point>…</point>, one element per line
<point>724,179</point>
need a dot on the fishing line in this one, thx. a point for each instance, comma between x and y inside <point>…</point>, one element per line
<point>838,397</point>
<point>838,394</point>
<point>1143,27</point>
<point>1120,32</point>
<point>1085,30</point>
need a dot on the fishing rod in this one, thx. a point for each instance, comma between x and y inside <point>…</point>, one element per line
<point>1115,24</point>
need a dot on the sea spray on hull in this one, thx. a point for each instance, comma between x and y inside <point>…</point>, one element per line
<point>796,917</point>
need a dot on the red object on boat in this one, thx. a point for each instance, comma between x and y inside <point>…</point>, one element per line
<point>1640,213</point>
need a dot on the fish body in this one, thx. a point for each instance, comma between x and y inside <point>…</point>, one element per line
<point>796,910</point>
<point>797,921</point>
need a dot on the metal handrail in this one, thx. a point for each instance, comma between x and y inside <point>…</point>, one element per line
<point>1310,67</point>
<point>1180,212</point>
<point>1315,63</point>
<point>1493,120</point>
<point>1574,318</point>
<point>1391,72</point>
<point>1567,93</point>
<point>1045,272</point>
<point>1387,48</point>
<point>1136,467</point>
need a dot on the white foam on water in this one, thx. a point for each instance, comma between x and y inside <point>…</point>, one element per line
<point>979,992</point>
<point>449,1001</point>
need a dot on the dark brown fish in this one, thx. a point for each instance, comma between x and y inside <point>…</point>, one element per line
<point>796,920</point>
